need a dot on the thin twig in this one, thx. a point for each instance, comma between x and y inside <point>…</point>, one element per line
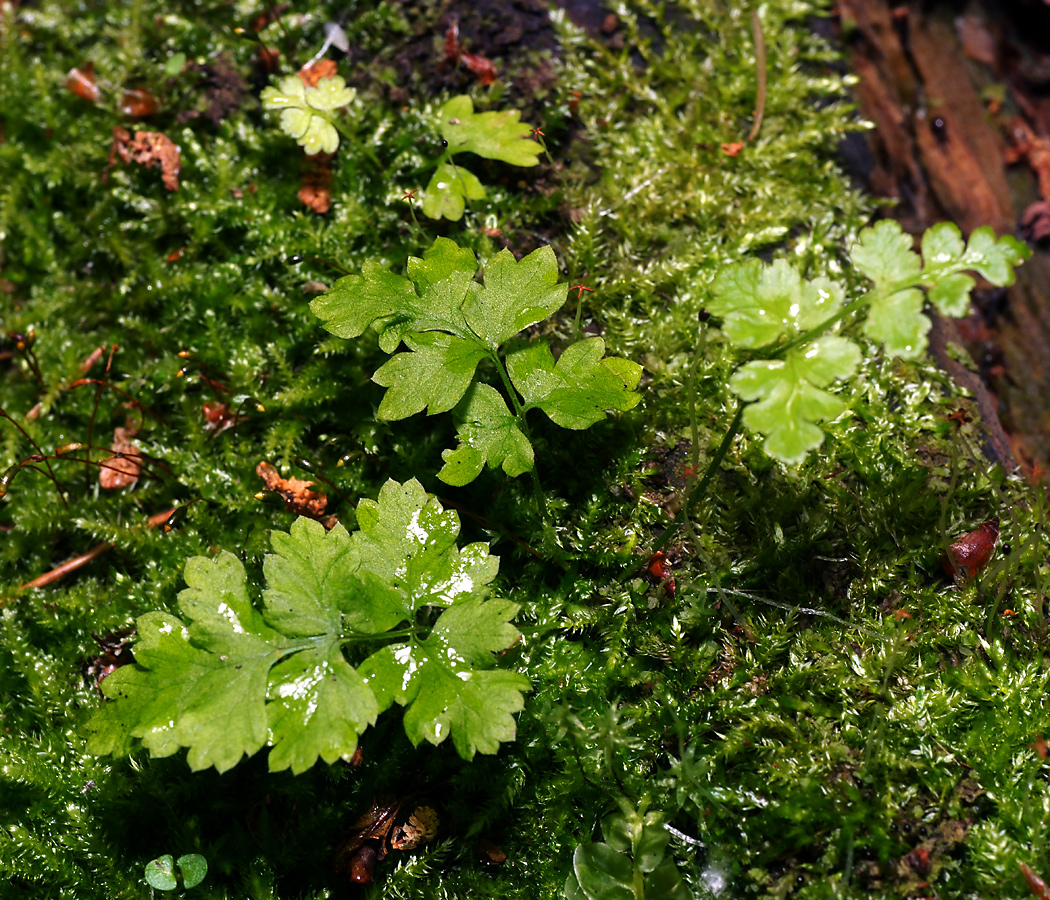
<point>760,74</point>
<point>78,562</point>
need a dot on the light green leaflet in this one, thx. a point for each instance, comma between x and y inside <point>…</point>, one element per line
<point>493,135</point>
<point>226,678</point>
<point>790,321</point>
<point>306,112</point>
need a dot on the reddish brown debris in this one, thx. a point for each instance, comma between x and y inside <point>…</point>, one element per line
<point>312,73</point>
<point>733,149</point>
<point>658,571</point>
<point>316,192</point>
<point>298,494</point>
<point>1035,884</point>
<point>116,652</point>
<point>970,553</point>
<point>138,103</point>
<point>149,148</point>
<point>81,82</point>
<point>123,469</point>
<point>483,68</point>
<point>218,417</point>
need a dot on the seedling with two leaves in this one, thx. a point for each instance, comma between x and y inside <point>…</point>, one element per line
<point>450,324</point>
<point>161,872</point>
<point>226,678</point>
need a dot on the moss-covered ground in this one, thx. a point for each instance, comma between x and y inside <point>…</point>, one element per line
<point>818,712</point>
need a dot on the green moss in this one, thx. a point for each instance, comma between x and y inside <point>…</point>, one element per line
<point>775,707</point>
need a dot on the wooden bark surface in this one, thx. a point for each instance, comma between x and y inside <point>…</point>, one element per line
<point>956,95</point>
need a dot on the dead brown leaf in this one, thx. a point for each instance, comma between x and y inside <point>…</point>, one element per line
<point>314,72</point>
<point>298,494</point>
<point>316,192</point>
<point>124,469</point>
<point>733,149</point>
<point>149,149</point>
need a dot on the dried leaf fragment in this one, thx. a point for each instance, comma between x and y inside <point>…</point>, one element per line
<point>298,496</point>
<point>81,81</point>
<point>123,469</point>
<point>149,148</point>
<point>312,73</point>
<point>138,103</point>
<point>316,192</point>
<point>421,828</point>
<point>218,417</point>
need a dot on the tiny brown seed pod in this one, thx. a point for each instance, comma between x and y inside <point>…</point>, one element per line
<point>82,83</point>
<point>363,864</point>
<point>970,553</point>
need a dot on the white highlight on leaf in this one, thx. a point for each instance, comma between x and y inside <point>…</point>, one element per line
<point>230,616</point>
<point>416,530</point>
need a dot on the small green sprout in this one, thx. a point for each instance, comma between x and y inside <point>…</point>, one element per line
<point>306,112</point>
<point>160,872</point>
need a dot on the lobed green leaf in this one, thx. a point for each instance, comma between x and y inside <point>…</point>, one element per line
<point>789,398</point>
<point>576,390</point>
<point>493,135</point>
<point>448,190</point>
<point>883,253</point>
<point>490,435</point>
<point>761,304</point>
<point>439,681</point>
<point>232,678</point>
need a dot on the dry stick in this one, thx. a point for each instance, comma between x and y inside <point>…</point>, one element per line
<point>79,562</point>
<point>760,65</point>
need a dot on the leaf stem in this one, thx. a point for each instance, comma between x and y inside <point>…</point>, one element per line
<point>519,414</point>
<point>698,490</point>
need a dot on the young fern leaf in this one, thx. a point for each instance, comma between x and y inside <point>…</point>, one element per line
<point>493,135</point>
<point>306,112</point>
<point>449,323</point>
<point>790,321</point>
<point>760,305</point>
<point>227,679</point>
<point>883,253</point>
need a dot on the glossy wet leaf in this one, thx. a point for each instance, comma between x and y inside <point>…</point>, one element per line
<point>449,189</point>
<point>489,435</point>
<point>449,322</point>
<point>576,390</point>
<point>602,873</point>
<point>516,294</point>
<point>193,867</point>
<point>898,322</point>
<point>229,678</point>
<point>444,681</point>
<point>761,304</point>
<point>407,557</point>
<point>434,375</point>
<point>883,253</point>
<point>160,873</point>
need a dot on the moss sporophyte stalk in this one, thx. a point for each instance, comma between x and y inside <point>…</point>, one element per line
<point>286,482</point>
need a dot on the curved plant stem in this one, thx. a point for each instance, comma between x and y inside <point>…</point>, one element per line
<point>699,489</point>
<point>760,66</point>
